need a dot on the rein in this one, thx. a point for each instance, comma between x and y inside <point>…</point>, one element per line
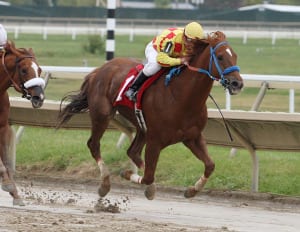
<point>6,71</point>
<point>225,123</point>
<point>214,59</point>
<point>222,79</point>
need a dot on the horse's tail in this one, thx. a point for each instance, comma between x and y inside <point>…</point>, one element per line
<point>77,103</point>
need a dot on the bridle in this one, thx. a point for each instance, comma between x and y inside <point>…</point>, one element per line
<point>23,87</point>
<point>214,60</point>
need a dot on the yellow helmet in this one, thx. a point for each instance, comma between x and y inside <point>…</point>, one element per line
<point>194,30</point>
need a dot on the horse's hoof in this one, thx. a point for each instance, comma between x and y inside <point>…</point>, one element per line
<point>126,174</point>
<point>104,187</point>
<point>8,187</point>
<point>18,202</point>
<point>150,191</point>
<point>103,190</point>
<point>190,192</point>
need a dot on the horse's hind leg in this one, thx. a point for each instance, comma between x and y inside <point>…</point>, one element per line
<point>135,150</point>
<point>199,149</point>
<point>7,164</point>
<point>152,152</point>
<point>99,125</point>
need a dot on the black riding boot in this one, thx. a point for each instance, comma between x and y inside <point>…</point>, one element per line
<point>132,91</point>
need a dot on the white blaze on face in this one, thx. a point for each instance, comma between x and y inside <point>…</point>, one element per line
<point>36,81</point>
<point>35,68</point>
<point>228,51</point>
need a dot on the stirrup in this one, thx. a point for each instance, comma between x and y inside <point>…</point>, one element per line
<point>131,94</point>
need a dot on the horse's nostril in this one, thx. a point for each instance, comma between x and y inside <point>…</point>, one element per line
<point>234,83</point>
<point>36,102</point>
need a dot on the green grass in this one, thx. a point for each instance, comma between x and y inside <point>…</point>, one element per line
<point>259,56</point>
<point>66,149</point>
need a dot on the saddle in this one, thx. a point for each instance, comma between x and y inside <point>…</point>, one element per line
<point>136,106</point>
<point>123,100</point>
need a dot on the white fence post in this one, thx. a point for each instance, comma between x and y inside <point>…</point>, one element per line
<point>292,101</point>
<point>73,34</point>
<point>16,33</point>
<point>273,38</point>
<point>228,100</point>
<point>245,37</point>
<point>45,33</point>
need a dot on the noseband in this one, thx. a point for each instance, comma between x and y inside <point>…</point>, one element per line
<point>214,60</point>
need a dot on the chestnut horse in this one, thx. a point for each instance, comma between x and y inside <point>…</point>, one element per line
<point>173,113</point>
<point>20,70</point>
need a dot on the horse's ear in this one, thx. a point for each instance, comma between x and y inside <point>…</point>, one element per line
<point>9,46</point>
<point>217,35</point>
<point>30,50</point>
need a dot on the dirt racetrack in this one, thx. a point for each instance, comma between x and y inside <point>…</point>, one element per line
<point>54,204</point>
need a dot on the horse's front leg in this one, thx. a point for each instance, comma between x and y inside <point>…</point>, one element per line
<point>17,200</point>
<point>7,158</point>
<point>93,144</point>
<point>199,149</point>
<point>8,185</point>
<point>152,152</point>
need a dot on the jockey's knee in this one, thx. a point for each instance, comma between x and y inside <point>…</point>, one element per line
<point>151,68</point>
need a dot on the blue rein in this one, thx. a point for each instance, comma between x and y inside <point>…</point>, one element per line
<point>213,59</point>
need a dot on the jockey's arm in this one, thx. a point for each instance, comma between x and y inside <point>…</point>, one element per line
<point>164,60</point>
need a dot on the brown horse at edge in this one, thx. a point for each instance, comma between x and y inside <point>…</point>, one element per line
<point>19,69</point>
<point>173,113</point>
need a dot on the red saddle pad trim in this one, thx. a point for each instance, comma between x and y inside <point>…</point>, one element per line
<point>122,99</point>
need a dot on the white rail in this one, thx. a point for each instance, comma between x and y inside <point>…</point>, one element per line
<point>74,30</point>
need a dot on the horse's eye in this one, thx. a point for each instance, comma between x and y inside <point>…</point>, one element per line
<point>23,71</point>
<point>220,58</point>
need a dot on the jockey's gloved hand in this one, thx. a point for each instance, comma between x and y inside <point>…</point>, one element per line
<point>185,60</point>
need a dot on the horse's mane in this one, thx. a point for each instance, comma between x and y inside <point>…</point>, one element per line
<point>11,48</point>
<point>212,39</point>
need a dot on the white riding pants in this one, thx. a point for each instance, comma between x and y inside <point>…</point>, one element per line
<point>151,67</point>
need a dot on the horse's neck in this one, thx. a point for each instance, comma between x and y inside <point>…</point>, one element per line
<point>196,86</point>
<point>4,81</point>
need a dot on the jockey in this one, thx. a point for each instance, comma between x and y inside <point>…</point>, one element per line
<point>171,48</point>
<point>3,37</point>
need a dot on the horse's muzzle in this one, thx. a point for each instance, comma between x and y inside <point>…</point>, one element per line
<point>234,85</point>
<point>37,96</point>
